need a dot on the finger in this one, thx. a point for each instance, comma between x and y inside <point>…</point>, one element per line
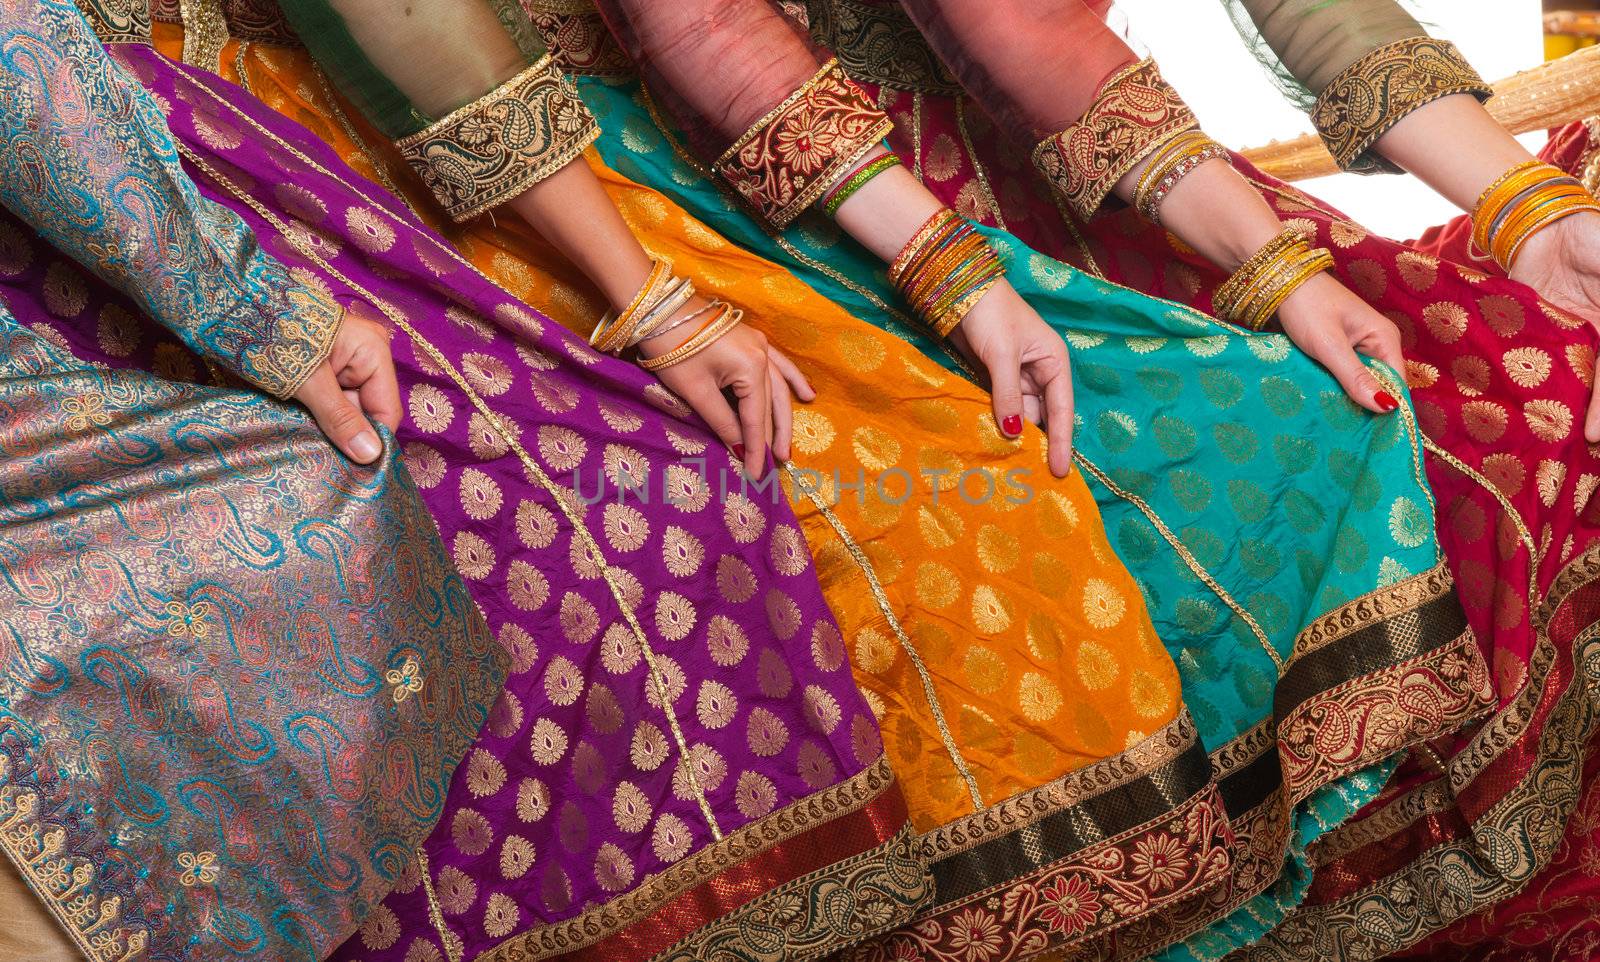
<point>755,420</point>
<point>792,374</point>
<point>782,413</point>
<point>340,420</point>
<point>708,402</point>
<point>1357,379</point>
<point>380,392</point>
<point>1058,423</point>
<point>1384,344</point>
<point>1033,408</point>
<point>1591,423</point>
<point>1005,387</point>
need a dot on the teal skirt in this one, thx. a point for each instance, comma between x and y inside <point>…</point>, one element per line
<point>1283,537</point>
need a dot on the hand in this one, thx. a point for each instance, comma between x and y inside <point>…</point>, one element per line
<point>1029,375</point>
<point>1562,263</point>
<point>1330,324</point>
<point>355,383</point>
<point>757,374</point>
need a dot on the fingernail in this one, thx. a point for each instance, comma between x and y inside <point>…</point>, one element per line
<point>738,451</point>
<point>1012,425</point>
<point>1386,401</point>
<point>366,447</point>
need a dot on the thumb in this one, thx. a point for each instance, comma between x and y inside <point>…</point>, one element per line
<point>341,421</point>
<point>1357,379</point>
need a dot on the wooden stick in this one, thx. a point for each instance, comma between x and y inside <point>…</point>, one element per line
<point>1549,95</point>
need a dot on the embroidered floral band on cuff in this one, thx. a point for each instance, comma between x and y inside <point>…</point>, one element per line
<point>303,322</point>
<point>1381,89</point>
<point>1135,113</point>
<point>498,146</point>
<point>793,154</point>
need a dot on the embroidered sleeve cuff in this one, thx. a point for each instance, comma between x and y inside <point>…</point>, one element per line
<point>1135,113</point>
<point>498,146</point>
<point>790,157</point>
<point>1376,92</point>
<point>303,325</point>
<point>580,41</point>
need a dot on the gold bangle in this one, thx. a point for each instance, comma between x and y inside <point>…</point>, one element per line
<point>708,334</point>
<point>1560,209</point>
<point>1232,293</point>
<point>958,313</point>
<point>1184,156</point>
<point>1294,275</point>
<point>606,331</point>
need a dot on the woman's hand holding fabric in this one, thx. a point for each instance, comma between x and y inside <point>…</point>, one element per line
<point>356,383</point>
<point>1333,326</point>
<point>1029,372</point>
<point>761,382</point>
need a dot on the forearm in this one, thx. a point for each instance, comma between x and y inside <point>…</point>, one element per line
<point>1481,150</point>
<point>1213,210</point>
<point>573,212</point>
<point>887,210</point>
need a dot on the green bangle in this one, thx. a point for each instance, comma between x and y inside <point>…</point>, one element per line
<point>857,181</point>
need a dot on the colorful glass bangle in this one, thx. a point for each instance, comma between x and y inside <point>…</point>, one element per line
<point>606,333</point>
<point>915,245</point>
<point>1521,202</point>
<point>856,180</point>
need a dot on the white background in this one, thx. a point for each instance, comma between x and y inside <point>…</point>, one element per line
<point>1202,55</point>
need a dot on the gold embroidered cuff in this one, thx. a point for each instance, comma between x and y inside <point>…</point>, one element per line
<point>1135,113</point>
<point>1379,90</point>
<point>878,43</point>
<point>783,163</point>
<point>504,142</point>
<point>305,326</point>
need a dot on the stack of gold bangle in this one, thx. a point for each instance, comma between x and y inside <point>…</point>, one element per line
<point>1171,163</point>
<point>1526,199</point>
<point>945,269</point>
<point>660,299</point>
<point>1259,287</point>
<point>724,318</point>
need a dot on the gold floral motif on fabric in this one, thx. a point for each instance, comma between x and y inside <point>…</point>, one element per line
<point>503,143</point>
<point>1135,112</point>
<point>784,162</point>
<point>1376,92</point>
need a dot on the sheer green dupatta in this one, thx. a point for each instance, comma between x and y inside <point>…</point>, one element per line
<point>1292,579</point>
<point>465,89</point>
<point>1358,67</point>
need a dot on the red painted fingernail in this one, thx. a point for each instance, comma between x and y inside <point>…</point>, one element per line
<point>1012,425</point>
<point>738,451</point>
<point>1386,401</point>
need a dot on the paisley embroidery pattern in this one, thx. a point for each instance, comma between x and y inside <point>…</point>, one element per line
<point>578,38</point>
<point>785,161</point>
<point>1135,112</point>
<point>879,44</point>
<point>213,286</point>
<point>498,146</point>
<point>1376,92</point>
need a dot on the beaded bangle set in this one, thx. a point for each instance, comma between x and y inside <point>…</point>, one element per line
<point>1255,291</point>
<point>855,180</point>
<point>651,314</point>
<point>1172,162</point>
<point>1526,199</point>
<point>945,269</point>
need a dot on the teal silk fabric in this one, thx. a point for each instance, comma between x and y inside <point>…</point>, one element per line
<point>1245,492</point>
<point>236,671</point>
